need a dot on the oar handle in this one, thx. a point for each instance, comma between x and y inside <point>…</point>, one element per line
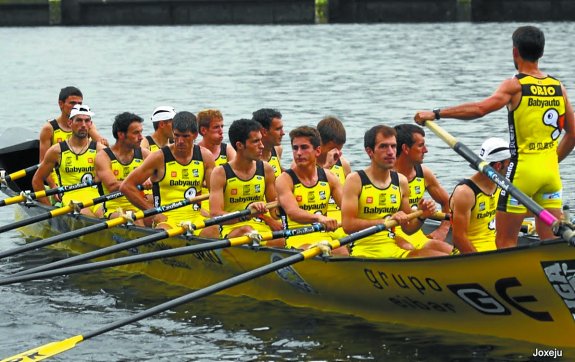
<point>19,174</point>
<point>29,195</point>
<point>168,207</point>
<point>216,220</point>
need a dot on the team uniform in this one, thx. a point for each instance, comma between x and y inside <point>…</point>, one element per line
<point>219,161</point>
<point>58,134</point>
<point>313,199</point>
<point>333,211</point>
<point>180,182</point>
<point>239,194</point>
<point>481,228</point>
<point>534,129</point>
<point>416,192</point>
<point>153,146</point>
<point>375,203</point>
<point>121,171</point>
<point>75,168</point>
<point>274,161</point>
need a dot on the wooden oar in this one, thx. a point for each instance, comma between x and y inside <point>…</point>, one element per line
<point>559,228</point>
<point>184,250</point>
<point>54,348</point>
<point>18,174</point>
<point>143,240</point>
<point>58,212</point>
<point>28,195</point>
<point>101,226</point>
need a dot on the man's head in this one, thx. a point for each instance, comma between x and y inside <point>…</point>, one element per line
<point>332,133</point>
<point>162,118</point>
<point>529,42</point>
<point>246,138</point>
<point>68,98</point>
<point>495,151</point>
<point>185,129</point>
<point>380,145</point>
<point>211,126</point>
<point>80,120</point>
<point>306,144</point>
<point>127,128</point>
<point>272,126</point>
<point>411,142</point>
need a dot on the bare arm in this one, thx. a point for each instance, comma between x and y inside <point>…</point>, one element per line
<point>95,135</point>
<point>437,193</point>
<point>209,165</point>
<point>499,99</point>
<point>217,182</point>
<point>152,168</point>
<point>104,172</point>
<point>45,139</point>
<point>230,152</point>
<point>568,141</point>
<point>462,202</point>
<point>346,166</point>
<point>271,195</point>
<point>336,188</point>
<point>51,159</point>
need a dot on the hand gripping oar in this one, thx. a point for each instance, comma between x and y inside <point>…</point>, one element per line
<point>54,348</point>
<point>559,227</point>
<point>144,240</point>
<point>29,196</point>
<point>184,250</point>
<point>101,226</point>
<point>59,212</point>
<point>17,175</point>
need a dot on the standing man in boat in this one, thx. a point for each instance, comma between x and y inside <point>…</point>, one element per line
<point>272,134</point>
<point>114,164</point>
<point>177,172</point>
<point>57,129</point>
<point>245,182</point>
<point>411,150</point>
<point>162,122</point>
<point>211,127</point>
<point>73,160</point>
<point>378,192</point>
<point>474,202</point>
<point>539,110</point>
<point>305,188</point>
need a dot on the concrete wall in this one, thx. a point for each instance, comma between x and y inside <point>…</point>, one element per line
<point>369,11</point>
<point>24,13</point>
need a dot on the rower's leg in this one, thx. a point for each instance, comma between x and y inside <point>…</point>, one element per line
<point>507,226</point>
<point>543,230</point>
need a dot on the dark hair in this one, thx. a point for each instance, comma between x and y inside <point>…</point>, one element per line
<point>306,131</point>
<point>240,131</point>
<point>185,122</point>
<point>265,116</point>
<point>205,117</point>
<point>69,91</point>
<point>530,42</point>
<point>123,121</point>
<point>405,134</point>
<point>371,135</point>
<point>331,129</point>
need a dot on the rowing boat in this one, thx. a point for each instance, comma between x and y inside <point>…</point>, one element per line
<point>525,293</point>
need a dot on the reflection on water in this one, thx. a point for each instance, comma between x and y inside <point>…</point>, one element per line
<point>364,74</point>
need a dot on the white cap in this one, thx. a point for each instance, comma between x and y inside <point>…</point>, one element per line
<point>163,113</point>
<point>494,150</point>
<point>81,109</point>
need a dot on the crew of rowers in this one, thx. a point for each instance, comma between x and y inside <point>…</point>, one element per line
<point>169,166</point>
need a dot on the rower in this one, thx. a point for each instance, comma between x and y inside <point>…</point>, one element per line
<point>305,188</point>
<point>378,192</point>
<point>272,134</point>
<point>411,150</point>
<point>73,160</point>
<point>177,172</point>
<point>162,122</point>
<point>114,164</point>
<point>245,182</point>
<point>57,129</point>
<point>474,202</point>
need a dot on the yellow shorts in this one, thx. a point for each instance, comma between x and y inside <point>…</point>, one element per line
<point>258,226</point>
<point>379,245</point>
<point>176,217</point>
<point>295,242</point>
<point>538,177</point>
<point>418,239</point>
<point>82,195</point>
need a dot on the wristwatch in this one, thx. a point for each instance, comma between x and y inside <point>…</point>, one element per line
<point>436,112</point>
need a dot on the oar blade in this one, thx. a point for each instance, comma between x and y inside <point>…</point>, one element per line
<point>46,351</point>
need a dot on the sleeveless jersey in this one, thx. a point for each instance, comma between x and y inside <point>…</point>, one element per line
<point>179,182</point>
<point>337,170</point>
<point>274,162</point>
<point>416,192</point>
<point>375,203</point>
<point>223,156</point>
<point>153,146</point>
<point>58,134</point>
<point>121,171</point>
<point>481,228</point>
<point>75,168</point>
